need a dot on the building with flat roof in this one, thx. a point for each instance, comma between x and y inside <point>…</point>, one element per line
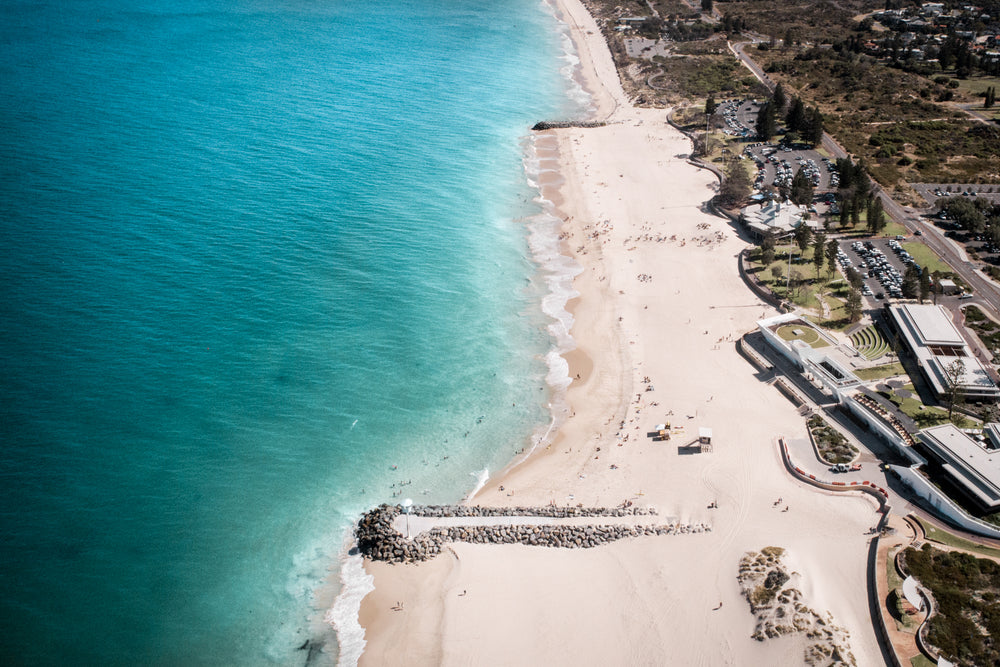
<point>973,465</point>
<point>810,350</point>
<point>935,341</point>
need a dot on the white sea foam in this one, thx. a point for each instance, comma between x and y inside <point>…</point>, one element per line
<point>557,271</point>
<point>482,476</point>
<point>571,59</point>
<point>355,584</point>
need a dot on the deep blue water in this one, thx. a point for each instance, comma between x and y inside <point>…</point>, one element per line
<point>254,255</point>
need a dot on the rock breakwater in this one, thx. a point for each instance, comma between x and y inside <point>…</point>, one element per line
<point>563,124</point>
<point>378,540</point>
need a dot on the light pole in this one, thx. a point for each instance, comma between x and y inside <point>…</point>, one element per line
<point>407,504</point>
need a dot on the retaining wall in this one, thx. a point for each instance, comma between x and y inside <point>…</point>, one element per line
<point>872,489</point>
<point>943,505</point>
<point>759,290</point>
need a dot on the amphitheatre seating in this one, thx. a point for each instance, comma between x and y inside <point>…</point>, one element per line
<point>870,343</point>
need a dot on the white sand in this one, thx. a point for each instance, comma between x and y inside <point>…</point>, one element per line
<point>648,600</point>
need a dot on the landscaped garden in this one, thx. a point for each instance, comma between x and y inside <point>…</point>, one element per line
<point>906,398</point>
<point>880,372</point>
<point>832,446</point>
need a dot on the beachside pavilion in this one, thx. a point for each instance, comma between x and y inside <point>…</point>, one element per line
<point>972,465</point>
<point>810,350</point>
<point>936,342</point>
<point>773,217</point>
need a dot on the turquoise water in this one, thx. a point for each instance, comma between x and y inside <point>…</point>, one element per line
<point>262,264</point>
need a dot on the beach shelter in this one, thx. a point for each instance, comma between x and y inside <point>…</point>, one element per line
<point>705,439</point>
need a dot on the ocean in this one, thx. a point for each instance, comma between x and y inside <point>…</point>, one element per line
<point>265,265</point>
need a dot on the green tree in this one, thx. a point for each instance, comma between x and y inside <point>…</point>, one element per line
<point>954,372</point>
<point>767,250</point>
<point>789,38</point>
<point>736,184</point>
<point>876,216</point>
<point>706,6</point>
<point>803,235</point>
<point>779,100</point>
<point>925,284</point>
<point>796,117</point>
<point>831,255</point>
<point>812,133</point>
<point>776,272</point>
<point>710,105</point>
<point>854,305</point>
<point>802,188</point>
<point>766,124</point>
<point>963,211</point>
<point>911,282</point>
<point>819,246</point>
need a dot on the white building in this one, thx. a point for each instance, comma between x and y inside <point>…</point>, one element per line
<point>816,364</point>
<point>971,465</point>
<point>936,342</point>
<point>772,217</point>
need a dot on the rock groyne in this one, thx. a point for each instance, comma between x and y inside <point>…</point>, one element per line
<point>563,124</point>
<point>378,540</point>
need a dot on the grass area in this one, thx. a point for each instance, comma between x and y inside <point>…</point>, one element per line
<point>804,285</point>
<point>838,313</point>
<point>976,86</point>
<point>951,540</point>
<point>924,415</point>
<point>966,590</point>
<point>925,257</point>
<point>879,372</point>
<point>806,334</point>
<point>921,661</point>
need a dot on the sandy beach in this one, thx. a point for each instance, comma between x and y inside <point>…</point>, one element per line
<point>661,305</point>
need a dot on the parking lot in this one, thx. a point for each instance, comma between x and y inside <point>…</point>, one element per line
<point>931,192</point>
<point>881,262</point>
<point>740,117</point>
<point>776,167</point>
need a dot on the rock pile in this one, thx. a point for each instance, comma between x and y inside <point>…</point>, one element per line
<point>546,511</point>
<point>562,124</point>
<point>378,540</point>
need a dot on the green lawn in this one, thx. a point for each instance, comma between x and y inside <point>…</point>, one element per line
<point>925,257</point>
<point>879,372</point>
<point>944,537</point>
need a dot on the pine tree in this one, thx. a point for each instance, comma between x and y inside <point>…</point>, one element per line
<point>925,284</point>
<point>819,247</point>
<point>779,100</point>
<point>766,125</point>
<point>831,255</point>
<point>854,305</point>
<point>796,118</point>
<point>876,216</point>
<point>813,132</point>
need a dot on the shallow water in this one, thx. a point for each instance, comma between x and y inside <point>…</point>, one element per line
<point>265,265</point>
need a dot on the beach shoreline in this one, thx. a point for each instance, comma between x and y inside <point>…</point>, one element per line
<point>659,306</point>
